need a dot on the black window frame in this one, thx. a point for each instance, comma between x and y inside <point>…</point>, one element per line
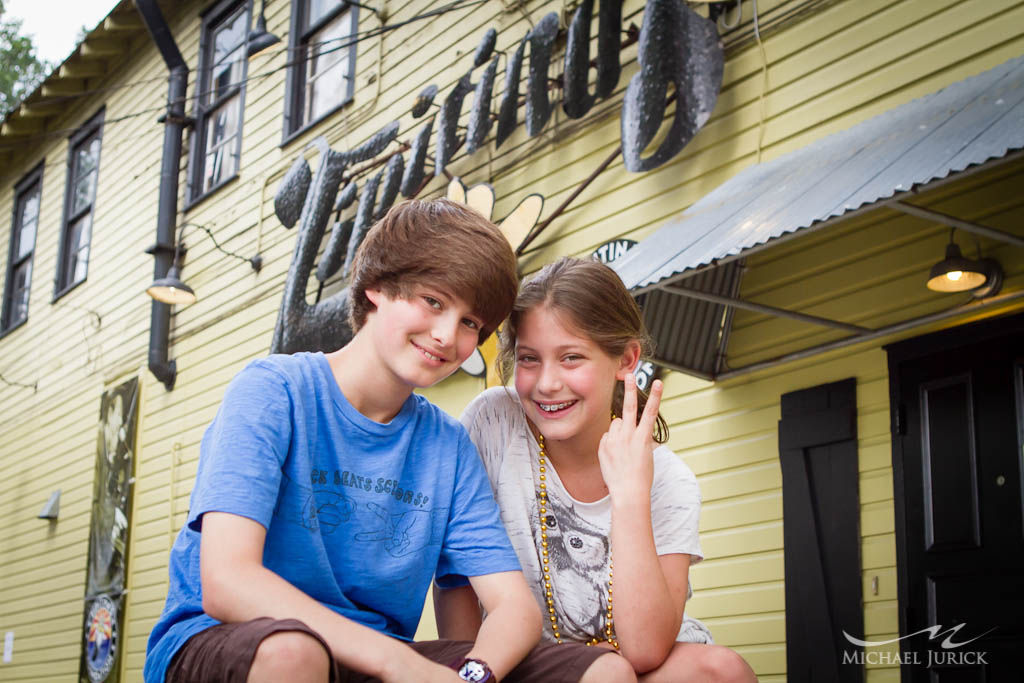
<point>213,19</point>
<point>30,182</point>
<point>90,130</point>
<point>295,90</point>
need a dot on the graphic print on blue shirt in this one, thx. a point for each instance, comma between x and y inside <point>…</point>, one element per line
<point>325,507</point>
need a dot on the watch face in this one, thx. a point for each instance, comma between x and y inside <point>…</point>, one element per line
<point>472,670</point>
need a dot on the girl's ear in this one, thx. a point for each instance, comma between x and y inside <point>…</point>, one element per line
<point>374,295</point>
<point>630,357</point>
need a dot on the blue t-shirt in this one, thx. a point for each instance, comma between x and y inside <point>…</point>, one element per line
<point>359,515</point>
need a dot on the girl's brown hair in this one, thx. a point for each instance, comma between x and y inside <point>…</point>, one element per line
<point>597,304</point>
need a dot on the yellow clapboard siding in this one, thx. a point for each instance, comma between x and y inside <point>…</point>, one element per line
<point>763,477</point>
<point>736,511</point>
<point>880,616</point>
<point>831,69</point>
<point>751,598</point>
<point>742,540</point>
<point>61,665</point>
<point>877,518</point>
<point>880,675</point>
<point>886,585</point>
<point>878,551</point>
<point>769,658</point>
<point>876,486</point>
<point>756,629</point>
<point>737,571</point>
<point>875,456</point>
<point>704,429</point>
<point>725,454</point>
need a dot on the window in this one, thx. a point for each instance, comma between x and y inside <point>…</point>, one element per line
<point>323,55</point>
<point>80,196</point>
<point>23,242</point>
<point>217,142</point>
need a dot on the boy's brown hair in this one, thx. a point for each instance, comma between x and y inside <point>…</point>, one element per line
<point>440,243</point>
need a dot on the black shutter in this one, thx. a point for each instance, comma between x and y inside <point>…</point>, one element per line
<point>821,510</point>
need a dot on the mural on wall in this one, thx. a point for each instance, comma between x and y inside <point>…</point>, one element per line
<point>677,47</point>
<point>108,533</point>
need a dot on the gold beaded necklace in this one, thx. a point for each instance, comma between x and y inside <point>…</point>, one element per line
<point>542,500</point>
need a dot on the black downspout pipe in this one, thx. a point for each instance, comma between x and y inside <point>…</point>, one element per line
<point>167,209</point>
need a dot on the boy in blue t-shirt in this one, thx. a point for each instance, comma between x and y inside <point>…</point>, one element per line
<point>328,494</point>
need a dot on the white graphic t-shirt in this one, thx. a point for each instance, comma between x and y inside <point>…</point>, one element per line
<point>577,532</point>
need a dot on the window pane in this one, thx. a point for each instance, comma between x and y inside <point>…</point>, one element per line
<point>20,279</point>
<point>318,9</point>
<point>84,181</point>
<point>78,249</point>
<point>30,207</point>
<point>27,221</point>
<point>228,37</point>
<point>226,75</point>
<point>86,157</point>
<point>227,56</point>
<point>222,145</point>
<point>328,67</point>
<point>85,188</point>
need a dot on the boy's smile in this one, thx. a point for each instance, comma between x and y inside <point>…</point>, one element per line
<point>437,358</point>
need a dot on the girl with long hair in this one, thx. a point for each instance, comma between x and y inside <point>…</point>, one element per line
<point>602,515</point>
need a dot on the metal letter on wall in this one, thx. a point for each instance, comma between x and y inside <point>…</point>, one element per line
<point>538,104</point>
<point>509,108</point>
<point>677,46</point>
<point>322,326</point>
<point>108,534</point>
<point>577,101</point>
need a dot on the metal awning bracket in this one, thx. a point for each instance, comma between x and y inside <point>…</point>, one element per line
<point>770,310</point>
<point>955,222</point>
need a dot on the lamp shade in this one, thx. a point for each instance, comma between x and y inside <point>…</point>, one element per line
<point>956,273</point>
<point>259,38</point>
<point>171,290</point>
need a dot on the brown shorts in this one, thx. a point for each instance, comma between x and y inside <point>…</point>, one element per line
<point>224,654</point>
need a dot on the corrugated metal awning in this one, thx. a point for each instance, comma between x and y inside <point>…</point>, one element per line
<point>929,139</point>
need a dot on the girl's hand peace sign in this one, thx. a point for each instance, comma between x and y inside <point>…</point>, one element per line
<point>626,451</point>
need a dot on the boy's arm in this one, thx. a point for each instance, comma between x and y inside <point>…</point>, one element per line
<point>456,612</point>
<point>513,623</point>
<point>237,587</point>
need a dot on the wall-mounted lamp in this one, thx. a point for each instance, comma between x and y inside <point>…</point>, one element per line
<point>982,277</point>
<point>259,38</point>
<point>170,289</point>
<point>52,508</point>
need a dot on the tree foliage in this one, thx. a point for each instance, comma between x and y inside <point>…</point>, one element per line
<point>20,70</point>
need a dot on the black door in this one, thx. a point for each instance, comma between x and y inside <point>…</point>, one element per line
<point>957,449</point>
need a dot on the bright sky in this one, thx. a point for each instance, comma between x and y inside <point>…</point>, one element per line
<point>54,24</point>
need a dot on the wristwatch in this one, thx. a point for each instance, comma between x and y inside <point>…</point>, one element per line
<point>475,670</point>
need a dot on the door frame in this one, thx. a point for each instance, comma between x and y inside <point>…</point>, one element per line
<point>910,350</point>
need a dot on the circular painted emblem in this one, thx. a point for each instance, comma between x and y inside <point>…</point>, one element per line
<point>101,639</point>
